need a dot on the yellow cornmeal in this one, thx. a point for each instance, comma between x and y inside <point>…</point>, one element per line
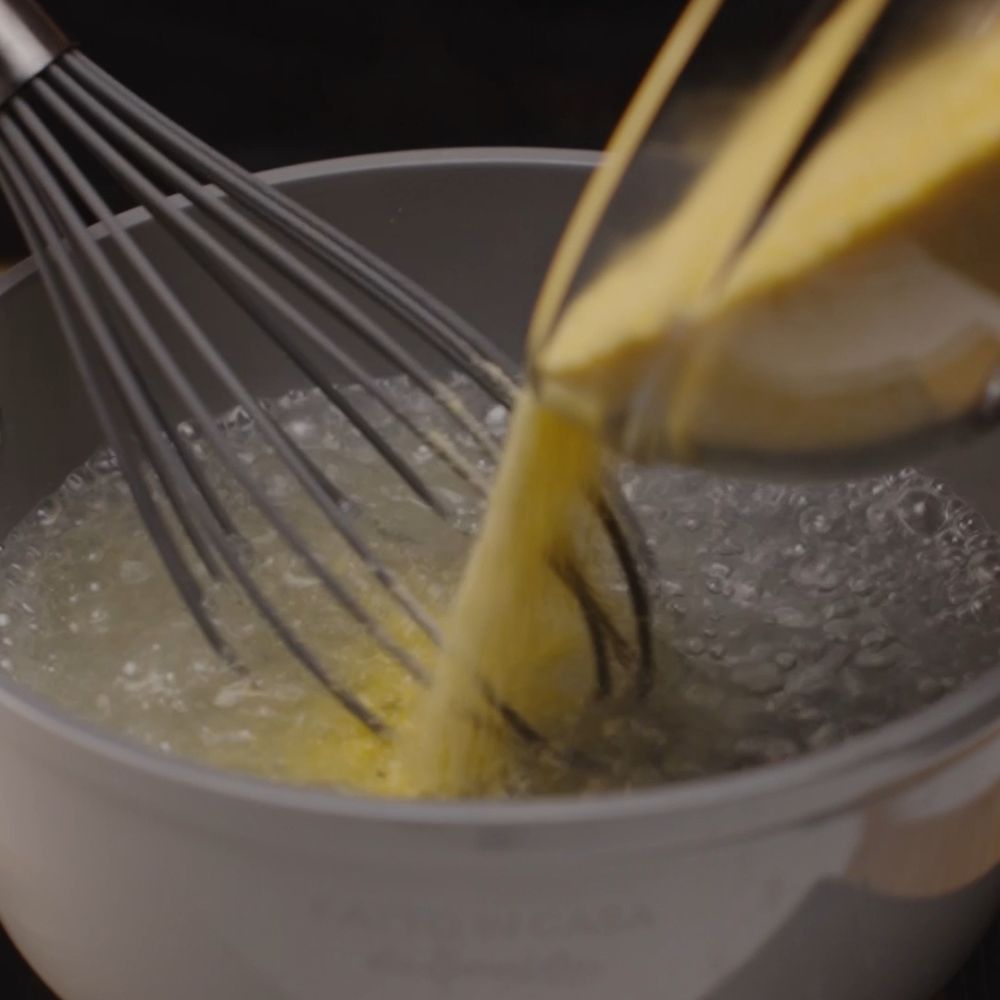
<point>513,624</point>
<point>865,307</point>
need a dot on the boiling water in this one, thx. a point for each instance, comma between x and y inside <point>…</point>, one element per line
<point>788,618</point>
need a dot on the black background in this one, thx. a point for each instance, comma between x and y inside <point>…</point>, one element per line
<point>306,79</point>
<point>296,80</point>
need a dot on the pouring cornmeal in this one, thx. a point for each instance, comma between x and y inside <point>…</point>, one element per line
<point>769,313</point>
<point>817,293</point>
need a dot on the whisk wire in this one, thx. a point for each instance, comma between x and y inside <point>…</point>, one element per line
<point>315,484</point>
<point>270,251</point>
<point>626,537</point>
<point>132,392</point>
<point>427,317</point>
<point>255,295</point>
<point>126,361</point>
<point>66,286</point>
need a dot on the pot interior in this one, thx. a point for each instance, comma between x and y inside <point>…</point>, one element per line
<point>477,230</point>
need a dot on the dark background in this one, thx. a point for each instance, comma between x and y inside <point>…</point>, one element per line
<point>295,80</point>
<point>307,79</point>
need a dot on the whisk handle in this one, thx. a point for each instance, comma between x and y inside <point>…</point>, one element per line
<point>29,41</point>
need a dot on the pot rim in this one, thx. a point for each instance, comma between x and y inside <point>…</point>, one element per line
<point>762,795</point>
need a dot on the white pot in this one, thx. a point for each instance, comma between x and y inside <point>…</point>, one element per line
<point>863,873</point>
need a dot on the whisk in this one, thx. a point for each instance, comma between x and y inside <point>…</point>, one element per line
<point>58,110</point>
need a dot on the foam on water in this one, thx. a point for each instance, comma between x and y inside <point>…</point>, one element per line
<point>789,617</point>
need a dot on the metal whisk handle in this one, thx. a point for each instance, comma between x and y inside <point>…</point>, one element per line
<point>29,42</point>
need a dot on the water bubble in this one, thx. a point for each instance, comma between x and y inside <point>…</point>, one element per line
<point>278,486</point>
<point>821,573</point>
<point>134,571</point>
<point>984,567</point>
<point>235,419</point>
<point>789,616</point>
<point>970,523</point>
<point>303,430</point>
<point>844,607</point>
<point>760,678</point>
<point>811,678</point>
<point>803,712</point>
<point>730,547</point>
<point>921,511</point>
<point>299,581</point>
<point>815,521</point>
<point>876,658</point>
<point>48,511</point>
<point>496,417</point>
<point>104,463</point>
<point>17,574</point>
<point>878,517</point>
<point>876,638</point>
<point>745,593</point>
<point>839,628</point>
<point>231,695</point>
<point>823,736</point>
<point>974,609</point>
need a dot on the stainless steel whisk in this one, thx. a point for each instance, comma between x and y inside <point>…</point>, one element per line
<point>55,101</point>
